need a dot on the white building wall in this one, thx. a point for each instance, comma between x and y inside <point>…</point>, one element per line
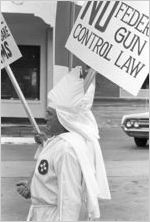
<point>30,30</point>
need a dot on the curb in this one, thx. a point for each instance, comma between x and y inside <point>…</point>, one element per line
<point>17,140</point>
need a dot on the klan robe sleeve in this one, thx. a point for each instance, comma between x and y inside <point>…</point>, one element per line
<point>69,185</point>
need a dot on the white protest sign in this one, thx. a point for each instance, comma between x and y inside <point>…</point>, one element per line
<point>113,38</point>
<point>9,48</point>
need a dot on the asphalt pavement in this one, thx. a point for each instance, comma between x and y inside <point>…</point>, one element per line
<point>126,165</point>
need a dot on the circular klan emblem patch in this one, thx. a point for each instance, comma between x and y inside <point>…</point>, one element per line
<point>43,167</point>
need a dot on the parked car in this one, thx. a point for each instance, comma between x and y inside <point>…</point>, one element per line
<point>137,126</point>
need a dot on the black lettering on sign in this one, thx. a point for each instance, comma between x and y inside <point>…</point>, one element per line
<point>130,65</point>
<point>133,18</point>
<point>5,51</point>
<point>92,41</point>
<point>4,33</point>
<point>85,10</point>
<point>130,40</point>
<point>103,28</point>
<point>95,8</point>
<point>96,11</point>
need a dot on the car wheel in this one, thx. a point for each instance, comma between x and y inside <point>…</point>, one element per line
<point>140,141</point>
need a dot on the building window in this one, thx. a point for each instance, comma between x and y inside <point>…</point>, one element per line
<point>27,73</point>
<point>146,83</point>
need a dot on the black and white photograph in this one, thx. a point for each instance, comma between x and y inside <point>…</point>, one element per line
<point>74,110</point>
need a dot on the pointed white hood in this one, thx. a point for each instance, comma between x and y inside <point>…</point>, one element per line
<point>73,105</point>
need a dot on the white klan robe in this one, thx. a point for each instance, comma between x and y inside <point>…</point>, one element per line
<point>70,170</point>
